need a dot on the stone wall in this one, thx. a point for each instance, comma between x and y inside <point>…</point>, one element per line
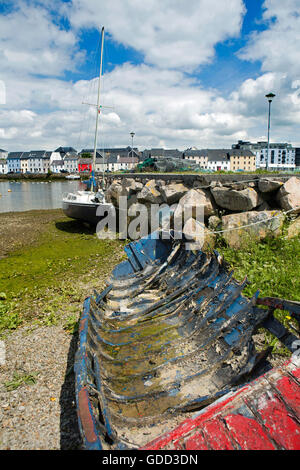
<point>229,203</point>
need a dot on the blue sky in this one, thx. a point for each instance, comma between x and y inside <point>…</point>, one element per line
<point>179,74</point>
<point>225,61</point>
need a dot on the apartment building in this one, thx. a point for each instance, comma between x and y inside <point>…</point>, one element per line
<point>282,156</point>
<point>242,160</point>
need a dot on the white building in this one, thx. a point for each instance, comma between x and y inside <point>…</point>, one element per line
<point>56,166</point>
<point>209,159</point>
<point>3,154</point>
<point>24,162</point>
<point>55,156</point>
<point>126,163</point>
<point>38,161</point>
<point>218,160</point>
<point>197,156</point>
<point>3,166</point>
<point>71,164</point>
<point>282,156</point>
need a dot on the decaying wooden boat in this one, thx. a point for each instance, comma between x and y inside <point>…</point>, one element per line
<point>170,335</point>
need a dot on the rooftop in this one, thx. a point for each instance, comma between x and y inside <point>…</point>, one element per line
<point>14,155</point>
<point>65,150</point>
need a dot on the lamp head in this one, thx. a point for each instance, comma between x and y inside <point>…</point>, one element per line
<point>270,96</point>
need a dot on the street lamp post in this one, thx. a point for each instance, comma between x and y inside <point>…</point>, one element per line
<point>269,97</point>
<point>132,136</point>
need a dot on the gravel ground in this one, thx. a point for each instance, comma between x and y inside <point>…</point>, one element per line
<point>41,416</point>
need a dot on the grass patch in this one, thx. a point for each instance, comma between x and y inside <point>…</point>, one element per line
<point>272,266</point>
<point>72,324</point>
<point>9,319</point>
<point>46,282</point>
<point>21,379</point>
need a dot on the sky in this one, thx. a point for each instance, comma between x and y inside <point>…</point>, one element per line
<point>178,74</point>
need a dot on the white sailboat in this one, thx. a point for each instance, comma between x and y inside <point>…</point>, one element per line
<point>72,177</point>
<point>83,205</point>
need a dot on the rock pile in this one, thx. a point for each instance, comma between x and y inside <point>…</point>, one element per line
<point>257,204</point>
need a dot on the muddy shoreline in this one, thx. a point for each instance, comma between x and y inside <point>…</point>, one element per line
<point>48,265</point>
<point>19,229</point>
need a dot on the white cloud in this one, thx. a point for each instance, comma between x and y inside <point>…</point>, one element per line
<point>32,43</point>
<point>158,106</point>
<point>170,34</point>
<point>158,101</point>
<point>277,47</point>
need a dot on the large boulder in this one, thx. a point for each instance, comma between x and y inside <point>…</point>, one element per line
<point>138,221</point>
<point>201,238</point>
<point>288,195</point>
<point>196,203</point>
<point>113,193</point>
<point>171,193</point>
<point>150,193</point>
<point>233,200</point>
<point>294,229</point>
<point>266,224</point>
<point>266,185</point>
<point>207,201</point>
<point>131,186</point>
<point>128,187</point>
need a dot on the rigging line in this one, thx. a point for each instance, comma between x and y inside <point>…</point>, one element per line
<point>255,223</point>
<point>109,61</point>
<point>92,89</point>
<point>90,92</point>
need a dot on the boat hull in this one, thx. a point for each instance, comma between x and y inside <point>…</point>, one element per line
<point>169,335</point>
<point>73,177</point>
<point>83,211</point>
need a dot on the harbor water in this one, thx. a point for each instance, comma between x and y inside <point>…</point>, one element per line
<point>19,196</point>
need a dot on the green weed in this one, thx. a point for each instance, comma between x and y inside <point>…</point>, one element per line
<point>72,324</point>
<point>47,282</point>
<point>9,318</point>
<point>272,267</point>
<point>21,379</point>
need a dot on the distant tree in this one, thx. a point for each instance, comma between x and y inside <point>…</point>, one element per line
<point>86,155</point>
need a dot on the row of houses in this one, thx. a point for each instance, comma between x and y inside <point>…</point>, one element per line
<point>222,159</point>
<point>35,161</point>
<point>66,159</point>
<point>243,156</point>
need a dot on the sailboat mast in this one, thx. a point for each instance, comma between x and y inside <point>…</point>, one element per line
<point>98,108</point>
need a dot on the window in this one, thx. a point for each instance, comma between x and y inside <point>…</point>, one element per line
<point>283,156</point>
<point>272,156</point>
